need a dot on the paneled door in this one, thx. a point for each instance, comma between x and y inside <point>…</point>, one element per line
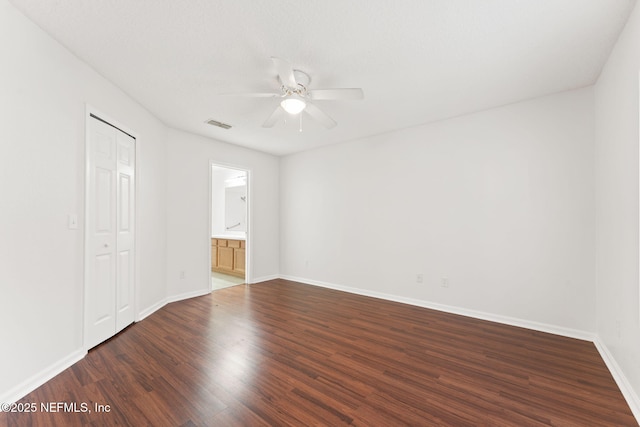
<point>110,257</point>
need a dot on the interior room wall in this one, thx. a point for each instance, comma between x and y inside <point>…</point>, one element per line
<point>188,241</point>
<point>43,92</point>
<point>616,106</point>
<point>499,204</point>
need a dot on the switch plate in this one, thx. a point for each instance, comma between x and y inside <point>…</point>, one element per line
<point>73,221</point>
<point>419,278</point>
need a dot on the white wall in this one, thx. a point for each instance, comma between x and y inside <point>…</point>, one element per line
<point>500,202</point>
<point>188,241</point>
<point>43,91</point>
<point>616,106</point>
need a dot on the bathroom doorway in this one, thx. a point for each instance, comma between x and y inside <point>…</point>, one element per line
<point>229,226</point>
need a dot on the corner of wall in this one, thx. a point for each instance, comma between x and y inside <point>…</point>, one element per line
<point>618,375</point>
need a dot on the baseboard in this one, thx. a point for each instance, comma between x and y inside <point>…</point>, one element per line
<point>42,377</point>
<point>188,295</point>
<point>618,375</point>
<point>512,321</point>
<point>150,310</point>
<point>264,279</point>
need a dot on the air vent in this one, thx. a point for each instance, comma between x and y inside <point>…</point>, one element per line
<point>218,124</point>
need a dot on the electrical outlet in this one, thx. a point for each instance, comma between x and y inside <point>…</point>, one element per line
<point>419,278</point>
<point>183,274</point>
<point>444,282</point>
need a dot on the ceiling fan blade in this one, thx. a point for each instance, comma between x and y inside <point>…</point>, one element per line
<point>253,95</point>
<point>320,116</point>
<point>344,93</point>
<point>274,117</point>
<point>285,72</point>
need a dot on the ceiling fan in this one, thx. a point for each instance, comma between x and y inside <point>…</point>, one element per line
<point>297,97</point>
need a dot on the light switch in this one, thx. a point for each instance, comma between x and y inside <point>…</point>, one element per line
<point>73,221</point>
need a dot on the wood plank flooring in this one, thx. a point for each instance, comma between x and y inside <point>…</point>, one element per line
<point>282,353</point>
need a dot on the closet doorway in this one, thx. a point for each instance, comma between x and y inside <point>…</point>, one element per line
<point>110,254</point>
<point>229,231</point>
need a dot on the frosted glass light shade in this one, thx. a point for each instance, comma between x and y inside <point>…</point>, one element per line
<point>293,105</point>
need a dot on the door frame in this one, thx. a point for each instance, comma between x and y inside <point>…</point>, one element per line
<point>248,234</point>
<point>89,111</point>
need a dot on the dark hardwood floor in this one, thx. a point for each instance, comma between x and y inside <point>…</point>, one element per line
<point>282,353</point>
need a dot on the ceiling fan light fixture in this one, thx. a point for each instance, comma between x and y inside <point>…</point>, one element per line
<point>293,105</point>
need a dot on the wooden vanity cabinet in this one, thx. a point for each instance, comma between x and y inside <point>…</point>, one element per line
<point>228,256</point>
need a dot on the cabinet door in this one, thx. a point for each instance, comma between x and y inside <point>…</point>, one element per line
<point>214,256</point>
<point>225,258</point>
<point>239,260</point>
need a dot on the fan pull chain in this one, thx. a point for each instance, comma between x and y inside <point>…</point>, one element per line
<point>300,122</point>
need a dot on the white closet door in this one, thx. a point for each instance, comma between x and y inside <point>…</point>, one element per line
<point>110,232</point>
<point>125,229</point>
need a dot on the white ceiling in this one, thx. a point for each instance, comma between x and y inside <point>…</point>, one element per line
<point>417,60</point>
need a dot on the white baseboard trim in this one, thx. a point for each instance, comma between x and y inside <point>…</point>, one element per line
<point>512,321</point>
<point>32,383</point>
<point>150,310</point>
<point>264,279</point>
<point>188,295</point>
<point>618,375</point>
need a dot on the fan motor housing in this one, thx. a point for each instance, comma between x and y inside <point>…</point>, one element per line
<point>302,78</point>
